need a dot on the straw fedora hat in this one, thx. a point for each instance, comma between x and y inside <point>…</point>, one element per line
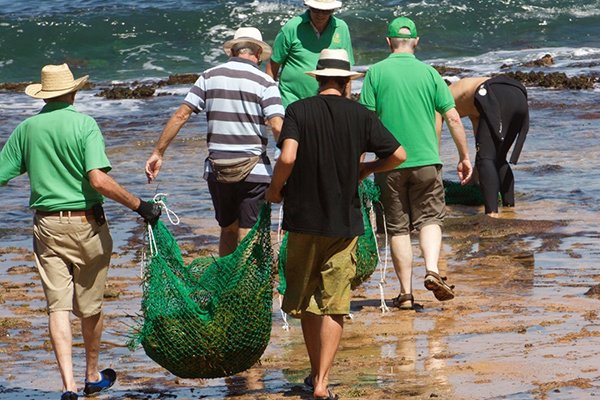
<point>248,35</point>
<point>56,81</point>
<point>334,62</point>
<point>323,4</point>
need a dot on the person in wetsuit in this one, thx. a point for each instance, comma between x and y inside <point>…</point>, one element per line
<point>498,110</point>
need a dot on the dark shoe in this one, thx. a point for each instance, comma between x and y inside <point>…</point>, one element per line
<point>437,284</point>
<point>109,376</point>
<point>308,381</point>
<point>68,395</point>
<point>330,396</point>
<point>404,301</point>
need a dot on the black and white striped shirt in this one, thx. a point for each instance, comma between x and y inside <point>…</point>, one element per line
<point>238,98</point>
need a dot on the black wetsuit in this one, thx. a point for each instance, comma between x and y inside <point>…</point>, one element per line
<point>504,115</point>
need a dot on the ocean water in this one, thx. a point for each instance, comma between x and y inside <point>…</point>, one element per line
<point>124,40</point>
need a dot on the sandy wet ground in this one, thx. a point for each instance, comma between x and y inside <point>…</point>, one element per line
<point>519,328</point>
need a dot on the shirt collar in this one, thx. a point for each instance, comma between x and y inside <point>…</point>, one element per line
<point>243,60</point>
<point>56,105</point>
<point>401,55</point>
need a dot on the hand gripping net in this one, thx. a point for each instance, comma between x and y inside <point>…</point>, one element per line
<point>211,318</point>
<point>367,253</point>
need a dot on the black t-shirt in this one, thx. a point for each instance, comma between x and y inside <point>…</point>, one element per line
<point>321,194</point>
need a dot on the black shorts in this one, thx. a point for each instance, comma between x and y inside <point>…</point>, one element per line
<point>239,201</point>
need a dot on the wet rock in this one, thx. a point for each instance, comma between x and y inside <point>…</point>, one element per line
<point>126,92</point>
<point>20,86</point>
<point>182,79</point>
<point>443,70</point>
<point>179,79</point>
<point>546,61</point>
<point>14,86</point>
<point>21,269</point>
<point>557,80</point>
<point>594,291</point>
<point>546,169</point>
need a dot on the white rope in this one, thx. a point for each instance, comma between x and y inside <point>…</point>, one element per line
<point>286,325</point>
<point>279,222</point>
<point>160,199</point>
<point>383,267</point>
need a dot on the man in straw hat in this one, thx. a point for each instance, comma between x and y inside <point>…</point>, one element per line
<point>240,101</point>
<point>298,44</point>
<point>322,140</point>
<point>62,151</point>
<point>406,93</point>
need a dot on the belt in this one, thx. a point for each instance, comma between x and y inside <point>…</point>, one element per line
<point>66,213</point>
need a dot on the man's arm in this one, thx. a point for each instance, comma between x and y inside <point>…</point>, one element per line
<point>464,168</point>
<point>382,164</point>
<point>107,186</point>
<point>282,171</point>
<point>275,123</point>
<point>175,123</point>
<point>272,69</point>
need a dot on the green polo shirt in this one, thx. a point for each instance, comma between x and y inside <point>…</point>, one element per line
<point>406,93</point>
<point>297,48</point>
<point>56,148</point>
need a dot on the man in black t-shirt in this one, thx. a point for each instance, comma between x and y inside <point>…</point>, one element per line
<point>317,173</point>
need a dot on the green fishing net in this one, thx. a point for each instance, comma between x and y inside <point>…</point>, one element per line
<point>367,254</point>
<point>469,195</point>
<point>211,318</point>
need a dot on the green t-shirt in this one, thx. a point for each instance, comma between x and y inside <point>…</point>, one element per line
<point>57,148</point>
<point>297,49</point>
<point>406,93</point>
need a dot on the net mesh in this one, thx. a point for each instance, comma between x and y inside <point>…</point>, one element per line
<point>469,195</point>
<point>211,318</point>
<point>367,254</point>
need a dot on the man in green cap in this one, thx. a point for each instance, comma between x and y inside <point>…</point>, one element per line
<point>298,44</point>
<point>406,93</point>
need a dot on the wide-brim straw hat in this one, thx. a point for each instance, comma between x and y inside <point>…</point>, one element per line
<point>56,81</point>
<point>334,63</point>
<point>323,4</point>
<point>248,35</point>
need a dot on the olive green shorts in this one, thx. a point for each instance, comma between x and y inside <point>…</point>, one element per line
<point>72,255</point>
<point>318,273</point>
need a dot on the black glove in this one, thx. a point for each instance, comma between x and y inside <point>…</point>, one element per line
<point>149,211</point>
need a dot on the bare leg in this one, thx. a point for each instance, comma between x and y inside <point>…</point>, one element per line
<point>91,328</point>
<point>61,337</point>
<point>430,240</point>
<point>229,239</point>
<point>322,335</point>
<point>242,232</point>
<point>402,258</point>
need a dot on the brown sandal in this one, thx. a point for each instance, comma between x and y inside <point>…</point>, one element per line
<point>437,284</point>
<point>404,301</point>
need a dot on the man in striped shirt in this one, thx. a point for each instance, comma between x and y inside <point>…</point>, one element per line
<point>240,101</point>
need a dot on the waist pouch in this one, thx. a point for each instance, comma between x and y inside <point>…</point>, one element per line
<point>232,170</point>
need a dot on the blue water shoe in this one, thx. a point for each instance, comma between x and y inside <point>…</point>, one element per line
<point>68,395</point>
<point>109,376</point>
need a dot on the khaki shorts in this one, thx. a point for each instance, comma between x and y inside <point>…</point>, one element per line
<point>318,273</point>
<point>412,198</point>
<point>72,255</point>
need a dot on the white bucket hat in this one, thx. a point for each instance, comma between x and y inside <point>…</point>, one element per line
<point>323,4</point>
<point>248,35</point>
<point>56,81</point>
<point>334,62</point>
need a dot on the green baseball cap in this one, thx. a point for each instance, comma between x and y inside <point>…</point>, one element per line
<point>402,22</point>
